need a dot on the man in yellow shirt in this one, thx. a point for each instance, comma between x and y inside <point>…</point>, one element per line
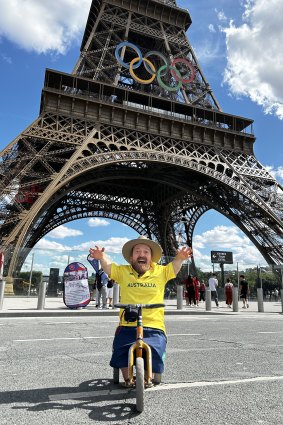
<point>142,281</point>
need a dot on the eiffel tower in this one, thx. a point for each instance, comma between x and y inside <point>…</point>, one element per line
<point>135,134</point>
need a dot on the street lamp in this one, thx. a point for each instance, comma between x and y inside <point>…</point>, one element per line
<point>30,276</point>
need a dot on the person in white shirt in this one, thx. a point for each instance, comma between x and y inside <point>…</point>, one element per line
<point>213,284</point>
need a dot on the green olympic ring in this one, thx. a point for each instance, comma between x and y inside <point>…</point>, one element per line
<point>150,68</point>
<point>165,86</point>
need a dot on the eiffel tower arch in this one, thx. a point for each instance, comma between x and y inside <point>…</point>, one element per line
<point>135,134</point>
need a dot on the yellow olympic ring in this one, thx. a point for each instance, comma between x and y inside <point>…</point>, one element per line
<point>139,80</point>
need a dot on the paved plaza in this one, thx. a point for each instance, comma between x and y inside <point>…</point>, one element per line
<point>222,368</point>
<point>25,306</point>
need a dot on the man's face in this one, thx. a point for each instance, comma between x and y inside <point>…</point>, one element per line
<point>141,258</point>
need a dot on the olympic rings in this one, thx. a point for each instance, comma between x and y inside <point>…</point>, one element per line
<point>182,80</point>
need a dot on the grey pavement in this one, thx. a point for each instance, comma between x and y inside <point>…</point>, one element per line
<point>15,306</point>
<point>220,369</point>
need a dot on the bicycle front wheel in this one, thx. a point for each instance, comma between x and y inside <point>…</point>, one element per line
<point>139,384</point>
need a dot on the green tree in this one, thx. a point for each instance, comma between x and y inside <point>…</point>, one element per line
<point>21,284</point>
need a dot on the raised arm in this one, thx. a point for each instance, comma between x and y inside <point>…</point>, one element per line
<point>99,254</point>
<point>183,254</point>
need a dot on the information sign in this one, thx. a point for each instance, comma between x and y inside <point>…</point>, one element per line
<point>222,257</point>
<point>76,290</point>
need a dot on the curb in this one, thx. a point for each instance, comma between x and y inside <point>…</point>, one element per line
<point>86,313</point>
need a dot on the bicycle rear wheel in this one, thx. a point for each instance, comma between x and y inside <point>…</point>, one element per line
<point>139,384</point>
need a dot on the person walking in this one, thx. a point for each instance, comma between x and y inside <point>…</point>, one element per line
<point>244,289</point>
<point>197,286</point>
<point>101,281</point>
<point>110,285</point>
<point>213,284</point>
<point>202,291</point>
<point>141,281</point>
<point>228,289</point>
<point>190,286</point>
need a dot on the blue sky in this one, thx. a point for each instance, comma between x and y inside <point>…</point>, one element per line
<point>239,48</point>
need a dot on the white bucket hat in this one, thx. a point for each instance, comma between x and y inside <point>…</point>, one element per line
<point>156,250</point>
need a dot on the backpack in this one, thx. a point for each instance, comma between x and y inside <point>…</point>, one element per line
<point>110,284</point>
<point>98,280</point>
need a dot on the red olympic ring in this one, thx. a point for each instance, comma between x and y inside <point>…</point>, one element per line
<point>192,69</point>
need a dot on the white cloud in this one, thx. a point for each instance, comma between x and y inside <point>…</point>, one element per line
<point>226,238</point>
<point>277,173</point>
<point>51,245</point>
<point>255,56</point>
<point>221,15</point>
<point>221,237</point>
<point>97,222</point>
<point>62,232</point>
<point>113,245</point>
<point>53,254</point>
<point>43,27</point>
<point>211,28</point>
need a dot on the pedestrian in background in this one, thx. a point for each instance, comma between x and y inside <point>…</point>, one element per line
<point>244,289</point>
<point>110,285</point>
<point>228,289</point>
<point>190,285</point>
<point>202,291</point>
<point>213,284</point>
<point>197,286</point>
<point>101,281</point>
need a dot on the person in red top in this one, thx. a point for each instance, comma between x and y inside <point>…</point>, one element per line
<point>197,286</point>
<point>202,291</point>
<point>228,288</point>
<point>186,294</point>
<point>190,287</point>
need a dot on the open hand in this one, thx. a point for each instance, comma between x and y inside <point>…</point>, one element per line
<point>96,252</point>
<point>184,253</point>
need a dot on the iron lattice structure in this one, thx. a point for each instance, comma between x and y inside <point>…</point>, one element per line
<point>106,145</point>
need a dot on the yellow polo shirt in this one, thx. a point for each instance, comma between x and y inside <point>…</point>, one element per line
<point>146,289</point>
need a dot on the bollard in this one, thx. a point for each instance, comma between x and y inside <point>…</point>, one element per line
<point>2,290</point>
<point>97,296</point>
<point>281,293</point>
<point>208,299</point>
<point>41,295</point>
<point>260,300</point>
<point>180,297</point>
<point>235,299</point>
<point>116,293</point>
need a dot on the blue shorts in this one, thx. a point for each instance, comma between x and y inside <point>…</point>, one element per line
<point>125,336</point>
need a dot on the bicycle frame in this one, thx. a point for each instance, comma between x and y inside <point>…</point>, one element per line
<point>138,347</point>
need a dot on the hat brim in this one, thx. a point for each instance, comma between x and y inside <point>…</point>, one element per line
<point>156,250</point>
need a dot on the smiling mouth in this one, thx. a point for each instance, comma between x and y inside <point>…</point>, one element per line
<point>141,261</point>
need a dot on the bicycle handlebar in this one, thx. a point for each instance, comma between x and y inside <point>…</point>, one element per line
<point>139,305</point>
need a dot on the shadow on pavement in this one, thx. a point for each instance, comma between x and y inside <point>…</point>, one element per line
<point>87,396</point>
